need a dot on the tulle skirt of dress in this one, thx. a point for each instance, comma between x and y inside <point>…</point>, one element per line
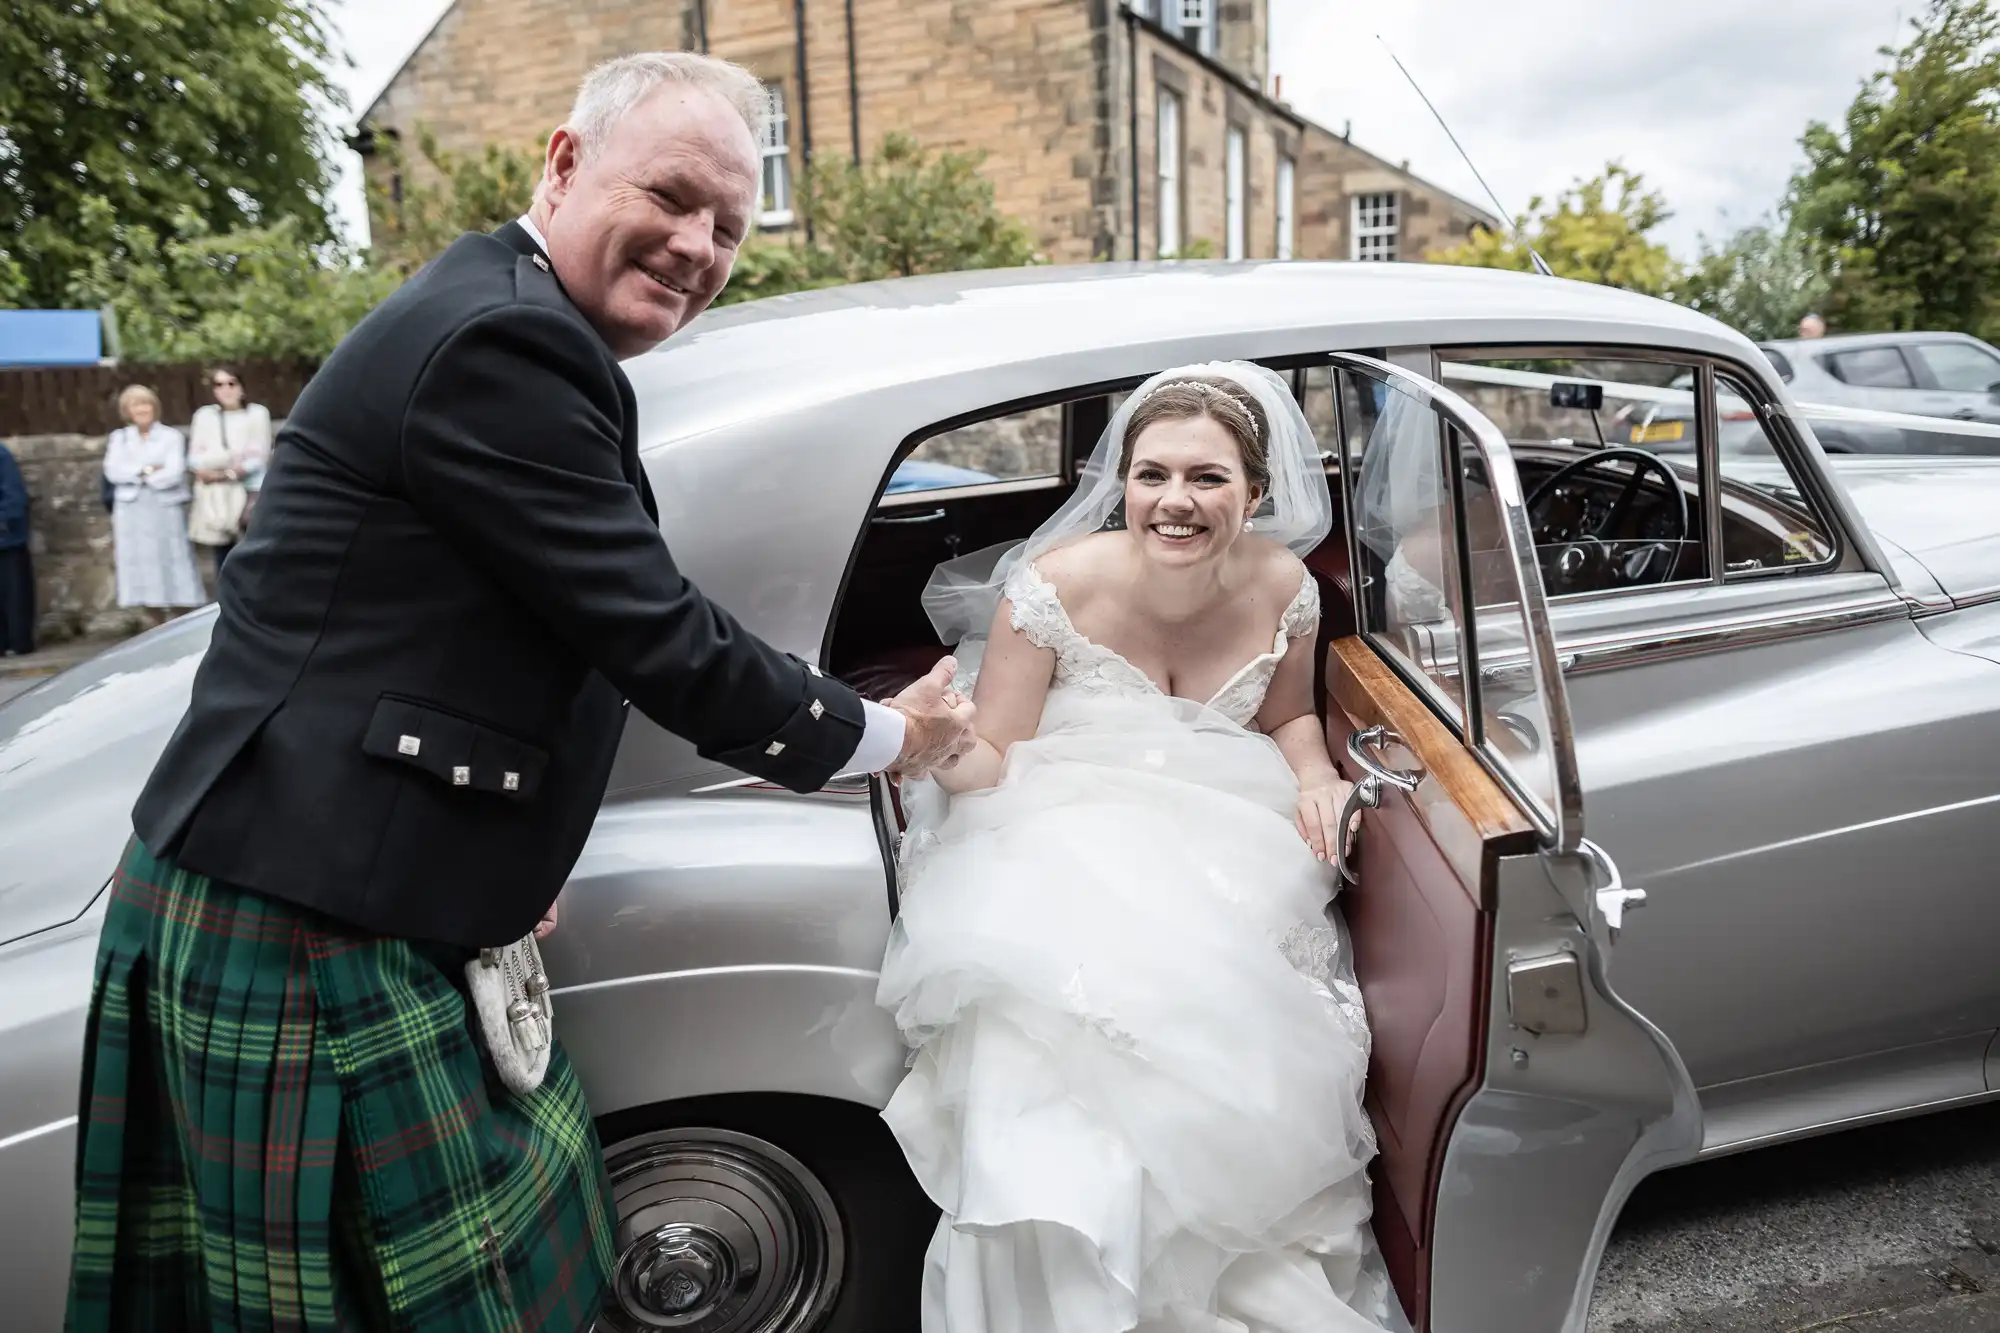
<point>1136,1086</point>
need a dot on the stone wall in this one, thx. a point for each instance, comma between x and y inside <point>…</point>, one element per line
<point>505,71</point>
<point>1044,88</point>
<point>69,535</point>
<point>1024,444</point>
<point>1014,78</point>
<point>1211,106</point>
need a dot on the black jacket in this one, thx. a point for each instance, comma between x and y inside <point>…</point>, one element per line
<point>455,578</point>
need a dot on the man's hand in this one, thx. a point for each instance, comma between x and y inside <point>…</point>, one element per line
<point>937,728</point>
<point>547,923</point>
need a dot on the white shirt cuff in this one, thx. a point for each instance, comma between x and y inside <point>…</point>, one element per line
<point>881,742</point>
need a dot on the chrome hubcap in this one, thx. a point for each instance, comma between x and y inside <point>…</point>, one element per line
<point>719,1232</point>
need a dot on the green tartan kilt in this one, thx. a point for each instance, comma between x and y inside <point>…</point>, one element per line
<point>288,1126</point>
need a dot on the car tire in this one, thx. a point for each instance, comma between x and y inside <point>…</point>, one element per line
<point>771,1214</point>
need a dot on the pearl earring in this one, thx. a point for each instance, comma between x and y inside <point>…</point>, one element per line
<point>1246,525</point>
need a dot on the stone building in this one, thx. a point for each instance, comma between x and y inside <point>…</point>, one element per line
<point>1115,129</point>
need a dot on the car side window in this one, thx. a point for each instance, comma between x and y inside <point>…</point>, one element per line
<point>1607,447</point>
<point>1016,447</point>
<point>1360,401</point>
<point>1408,600</point>
<point>1871,368</point>
<point>1959,367</point>
<point>1770,522</point>
<point>1779,362</point>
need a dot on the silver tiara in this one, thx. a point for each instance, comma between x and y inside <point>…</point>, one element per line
<point>1207,390</point>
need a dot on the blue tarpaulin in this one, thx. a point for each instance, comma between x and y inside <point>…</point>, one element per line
<point>50,338</point>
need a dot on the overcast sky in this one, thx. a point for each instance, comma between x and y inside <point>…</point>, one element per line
<point>1707,98</point>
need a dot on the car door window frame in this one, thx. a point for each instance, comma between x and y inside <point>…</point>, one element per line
<point>1789,449</point>
<point>1558,822</point>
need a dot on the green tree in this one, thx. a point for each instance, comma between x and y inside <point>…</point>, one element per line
<point>1596,231</point>
<point>1901,203</point>
<point>1761,281</point>
<point>444,194</point>
<point>193,294</point>
<point>903,212</point>
<point>153,108</point>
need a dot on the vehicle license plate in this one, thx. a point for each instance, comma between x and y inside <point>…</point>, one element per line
<point>1660,432</point>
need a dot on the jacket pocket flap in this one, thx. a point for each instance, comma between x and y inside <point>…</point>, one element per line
<point>453,749</point>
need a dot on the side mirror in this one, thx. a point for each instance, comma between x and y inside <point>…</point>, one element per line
<point>1577,397</point>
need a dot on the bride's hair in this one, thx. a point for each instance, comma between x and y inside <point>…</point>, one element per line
<point>1225,402</point>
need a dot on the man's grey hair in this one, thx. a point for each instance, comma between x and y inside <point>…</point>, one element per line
<point>609,92</point>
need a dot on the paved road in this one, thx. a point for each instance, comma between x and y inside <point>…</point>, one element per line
<point>1894,1229</point>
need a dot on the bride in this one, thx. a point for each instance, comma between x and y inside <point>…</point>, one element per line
<point>1136,1085</point>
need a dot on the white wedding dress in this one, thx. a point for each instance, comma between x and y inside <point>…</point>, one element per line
<point>1136,1086</point>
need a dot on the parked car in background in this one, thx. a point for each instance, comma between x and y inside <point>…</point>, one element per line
<point>1950,375</point>
<point>1757,691</point>
<point>921,474</point>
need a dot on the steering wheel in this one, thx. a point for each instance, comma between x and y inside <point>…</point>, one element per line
<point>1588,553</point>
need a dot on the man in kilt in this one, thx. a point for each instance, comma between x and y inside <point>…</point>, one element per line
<point>396,745</point>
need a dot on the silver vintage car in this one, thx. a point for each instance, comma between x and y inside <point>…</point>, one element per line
<point>1753,692</point>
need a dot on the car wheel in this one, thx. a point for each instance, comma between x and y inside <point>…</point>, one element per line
<point>752,1215</point>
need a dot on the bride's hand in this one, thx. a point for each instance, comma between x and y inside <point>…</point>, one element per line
<point>1319,813</point>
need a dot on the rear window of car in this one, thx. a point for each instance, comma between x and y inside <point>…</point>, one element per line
<point>1870,368</point>
<point>1779,362</point>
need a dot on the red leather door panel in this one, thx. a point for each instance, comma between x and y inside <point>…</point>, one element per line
<point>1422,929</point>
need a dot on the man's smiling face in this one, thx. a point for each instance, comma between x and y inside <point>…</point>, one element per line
<point>644,231</point>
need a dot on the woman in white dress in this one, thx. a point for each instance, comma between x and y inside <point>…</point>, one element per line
<point>1136,1086</point>
<point>146,463</point>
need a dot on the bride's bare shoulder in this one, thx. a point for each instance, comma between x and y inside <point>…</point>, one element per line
<point>1276,571</point>
<point>1078,568</point>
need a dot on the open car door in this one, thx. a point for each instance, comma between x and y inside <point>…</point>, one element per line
<point>1516,1098</point>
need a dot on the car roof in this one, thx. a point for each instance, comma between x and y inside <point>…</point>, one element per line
<point>1848,342</point>
<point>814,349</point>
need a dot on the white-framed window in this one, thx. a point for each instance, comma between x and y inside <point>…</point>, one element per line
<point>1168,132</point>
<point>775,206</point>
<point>1193,21</point>
<point>1377,220</point>
<point>1287,183</point>
<point>1198,21</point>
<point>1236,228</point>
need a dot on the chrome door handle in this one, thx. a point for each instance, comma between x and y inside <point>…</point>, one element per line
<point>1363,795</point>
<point>1613,898</point>
<point>1380,737</point>
<point>901,520</point>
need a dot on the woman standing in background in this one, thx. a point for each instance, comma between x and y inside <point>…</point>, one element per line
<point>147,464</point>
<point>229,446</point>
<point>17,572</point>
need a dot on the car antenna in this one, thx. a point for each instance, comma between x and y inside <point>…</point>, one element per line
<point>1534,256</point>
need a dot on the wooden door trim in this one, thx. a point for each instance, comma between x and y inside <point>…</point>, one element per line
<point>1370,693</point>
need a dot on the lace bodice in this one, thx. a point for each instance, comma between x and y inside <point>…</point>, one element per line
<point>1083,665</point>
